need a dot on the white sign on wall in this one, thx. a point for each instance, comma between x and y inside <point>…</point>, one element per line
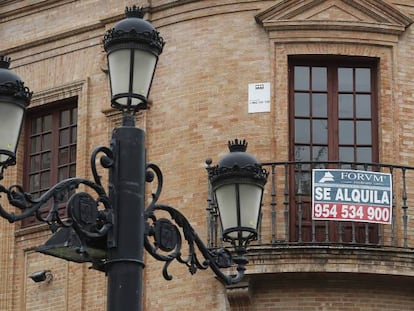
<point>259,97</point>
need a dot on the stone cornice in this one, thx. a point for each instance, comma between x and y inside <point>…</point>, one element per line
<point>52,38</point>
<point>392,261</point>
<point>369,16</point>
<point>23,8</point>
<point>58,93</point>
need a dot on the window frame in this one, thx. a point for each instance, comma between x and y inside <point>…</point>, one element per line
<point>55,110</point>
<point>332,63</point>
<point>303,198</point>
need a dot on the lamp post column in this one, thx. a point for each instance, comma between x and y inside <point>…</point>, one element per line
<point>127,194</point>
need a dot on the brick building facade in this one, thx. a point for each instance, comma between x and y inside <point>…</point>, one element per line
<point>199,101</point>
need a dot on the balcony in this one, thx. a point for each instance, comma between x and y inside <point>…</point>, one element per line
<point>290,241</point>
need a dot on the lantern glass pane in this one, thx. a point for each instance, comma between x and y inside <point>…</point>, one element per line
<point>11,116</point>
<point>227,204</point>
<point>144,66</point>
<point>250,200</point>
<point>119,70</point>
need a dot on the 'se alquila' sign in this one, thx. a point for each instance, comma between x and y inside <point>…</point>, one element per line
<point>351,195</point>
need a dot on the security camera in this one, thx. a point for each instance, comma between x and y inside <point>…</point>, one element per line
<point>41,276</point>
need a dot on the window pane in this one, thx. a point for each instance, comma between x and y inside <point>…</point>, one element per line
<point>319,79</point>
<point>36,125</point>
<point>364,132</point>
<point>302,104</point>
<point>72,171</point>
<point>74,136</point>
<point>364,154</point>
<point>47,142</point>
<point>345,80</point>
<point>64,118</point>
<point>46,160</point>
<point>72,154</point>
<point>319,105</point>
<point>64,137</point>
<point>301,78</point>
<point>302,153</point>
<point>35,145</point>
<point>305,181</point>
<point>302,131</point>
<point>47,123</point>
<point>34,182</point>
<point>320,131</point>
<point>63,157</point>
<point>346,154</point>
<point>346,132</point>
<point>363,106</point>
<point>345,106</point>
<point>320,153</point>
<point>45,180</point>
<point>74,115</point>
<point>34,163</point>
<point>363,79</point>
<point>63,173</point>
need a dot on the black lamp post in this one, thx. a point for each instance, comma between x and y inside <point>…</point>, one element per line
<point>111,230</point>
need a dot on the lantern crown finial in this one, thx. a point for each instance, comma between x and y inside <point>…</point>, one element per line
<point>237,145</point>
<point>135,11</point>
<point>5,62</point>
<point>11,84</point>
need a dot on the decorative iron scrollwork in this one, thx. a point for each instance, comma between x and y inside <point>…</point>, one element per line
<point>7,159</point>
<point>83,213</point>
<point>166,235</point>
<point>90,219</point>
<point>163,239</point>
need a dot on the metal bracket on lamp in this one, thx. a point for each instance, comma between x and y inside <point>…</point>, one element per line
<point>166,242</point>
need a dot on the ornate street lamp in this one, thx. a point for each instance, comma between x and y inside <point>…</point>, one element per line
<point>132,47</point>
<point>14,98</point>
<point>237,183</point>
<point>111,230</point>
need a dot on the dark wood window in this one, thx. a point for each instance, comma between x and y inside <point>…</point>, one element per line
<point>333,118</point>
<point>51,136</point>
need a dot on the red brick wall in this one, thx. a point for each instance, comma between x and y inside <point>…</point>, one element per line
<point>338,292</point>
<point>199,97</point>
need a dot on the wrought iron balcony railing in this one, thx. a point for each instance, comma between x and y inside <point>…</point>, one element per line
<point>286,212</point>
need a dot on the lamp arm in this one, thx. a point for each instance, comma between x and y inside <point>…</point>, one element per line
<point>79,205</point>
<point>29,206</point>
<point>163,240</point>
<point>167,243</point>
